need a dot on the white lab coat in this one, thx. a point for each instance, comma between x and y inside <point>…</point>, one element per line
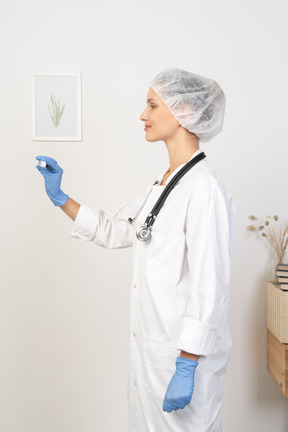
<point>179,294</point>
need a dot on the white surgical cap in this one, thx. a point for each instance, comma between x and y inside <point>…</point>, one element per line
<point>198,103</point>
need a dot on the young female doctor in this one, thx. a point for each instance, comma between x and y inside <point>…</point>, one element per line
<point>180,340</point>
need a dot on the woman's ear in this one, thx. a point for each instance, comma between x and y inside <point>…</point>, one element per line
<point>184,112</point>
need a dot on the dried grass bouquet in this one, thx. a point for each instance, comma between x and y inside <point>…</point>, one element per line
<point>274,234</point>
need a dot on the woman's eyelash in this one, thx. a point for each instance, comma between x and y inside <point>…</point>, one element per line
<point>153,106</point>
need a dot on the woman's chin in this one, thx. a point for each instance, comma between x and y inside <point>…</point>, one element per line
<point>151,138</point>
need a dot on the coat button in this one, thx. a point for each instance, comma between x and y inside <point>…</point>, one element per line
<point>134,285</point>
<point>134,334</point>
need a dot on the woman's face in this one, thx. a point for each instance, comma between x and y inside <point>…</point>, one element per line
<point>160,124</point>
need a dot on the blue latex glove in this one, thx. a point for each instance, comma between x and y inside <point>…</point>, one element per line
<point>52,175</point>
<point>180,388</point>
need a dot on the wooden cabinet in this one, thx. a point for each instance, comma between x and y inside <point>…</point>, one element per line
<point>277,311</point>
<point>277,335</point>
<point>277,356</point>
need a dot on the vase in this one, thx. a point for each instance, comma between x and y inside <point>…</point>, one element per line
<point>274,264</point>
<point>282,259</point>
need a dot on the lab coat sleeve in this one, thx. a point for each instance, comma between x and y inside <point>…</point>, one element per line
<point>209,251</point>
<point>105,228</point>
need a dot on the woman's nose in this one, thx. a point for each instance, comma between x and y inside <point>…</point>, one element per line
<point>143,116</point>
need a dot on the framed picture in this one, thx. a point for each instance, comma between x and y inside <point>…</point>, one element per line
<point>56,107</point>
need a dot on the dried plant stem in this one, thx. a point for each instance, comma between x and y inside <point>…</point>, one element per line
<point>286,243</point>
<point>278,244</point>
<point>271,242</point>
<point>282,236</point>
<point>270,234</point>
<point>280,239</point>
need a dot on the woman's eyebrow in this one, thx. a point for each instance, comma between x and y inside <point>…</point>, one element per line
<point>149,100</point>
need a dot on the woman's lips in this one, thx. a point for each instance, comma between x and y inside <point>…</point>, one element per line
<point>146,127</point>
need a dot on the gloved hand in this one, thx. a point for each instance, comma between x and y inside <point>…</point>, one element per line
<point>180,388</point>
<point>52,175</point>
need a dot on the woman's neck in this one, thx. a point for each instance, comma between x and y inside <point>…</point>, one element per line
<point>181,148</point>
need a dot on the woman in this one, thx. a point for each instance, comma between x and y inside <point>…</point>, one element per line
<point>181,277</point>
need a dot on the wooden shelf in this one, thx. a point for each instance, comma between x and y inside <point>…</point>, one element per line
<point>277,360</point>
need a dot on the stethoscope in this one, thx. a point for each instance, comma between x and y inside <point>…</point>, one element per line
<point>143,233</point>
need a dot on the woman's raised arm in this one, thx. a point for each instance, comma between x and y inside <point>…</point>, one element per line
<point>71,208</point>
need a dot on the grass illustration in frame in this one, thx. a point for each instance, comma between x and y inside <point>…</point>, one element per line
<point>56,107</point>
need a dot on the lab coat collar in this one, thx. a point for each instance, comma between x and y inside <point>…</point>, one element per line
<point>159,179</point>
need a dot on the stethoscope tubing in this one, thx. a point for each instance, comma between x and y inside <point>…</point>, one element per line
<point>143,233</point>
<point>173,182</point>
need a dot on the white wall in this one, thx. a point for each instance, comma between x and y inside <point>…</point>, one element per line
<point>64,306</point>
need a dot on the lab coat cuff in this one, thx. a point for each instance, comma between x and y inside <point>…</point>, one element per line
<point>86,223</point>
<point>197,337</point>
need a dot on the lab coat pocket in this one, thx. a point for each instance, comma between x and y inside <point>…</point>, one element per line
<point>164,257</point>
<point>160,365</point>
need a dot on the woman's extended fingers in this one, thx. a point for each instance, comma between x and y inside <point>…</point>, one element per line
<point>41,169</point>
<point>46,173</point>
<point>46,159</point>
<point>51,164</point>
<point>49,161</point>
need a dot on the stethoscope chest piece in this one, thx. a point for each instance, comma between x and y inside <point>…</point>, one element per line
<point>143,233</point>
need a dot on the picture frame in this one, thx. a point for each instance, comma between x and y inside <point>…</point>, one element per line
<point>56,106</point>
